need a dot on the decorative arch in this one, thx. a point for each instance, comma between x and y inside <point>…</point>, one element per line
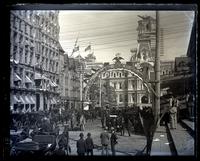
<point>121,67</point>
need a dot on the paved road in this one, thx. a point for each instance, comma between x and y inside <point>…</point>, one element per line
<point>126,145</point>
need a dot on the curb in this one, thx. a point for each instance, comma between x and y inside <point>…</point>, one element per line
<point>172,145</point>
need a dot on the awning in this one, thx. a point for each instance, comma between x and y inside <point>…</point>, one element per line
<point>40,76</point>
<point>16,77</point>
<point>15,61</point>
<point>55,85</point>
<point>32,100</point>
<point>53,101</point>
<point>27,100</point>
<point>51,84</point>
<point>22,100</point>
<point>16,100</point>
<point>27,79</point>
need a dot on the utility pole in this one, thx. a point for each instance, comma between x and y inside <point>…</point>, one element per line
<point>157,70</point>
<point>100,91</point>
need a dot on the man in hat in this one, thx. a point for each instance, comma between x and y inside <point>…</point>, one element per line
<point>81,146</point>
<point>113,141</point>
<point>89,144</point>
<point>104,140</point>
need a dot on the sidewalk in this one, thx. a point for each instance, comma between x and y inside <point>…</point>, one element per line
<point>177,142</point>
<point>160,145</point>
<point>183,141</point>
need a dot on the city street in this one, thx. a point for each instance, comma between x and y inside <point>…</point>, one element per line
<point>126,145</point>
<point>121,68</point>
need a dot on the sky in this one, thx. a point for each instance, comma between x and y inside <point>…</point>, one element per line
<point>112,32</point>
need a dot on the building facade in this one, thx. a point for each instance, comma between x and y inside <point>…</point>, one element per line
<point>34,60</point>
<point>166,68</point>
<point>135,90</point>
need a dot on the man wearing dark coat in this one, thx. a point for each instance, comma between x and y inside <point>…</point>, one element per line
<point>81,146</point>
<point>89,144</point>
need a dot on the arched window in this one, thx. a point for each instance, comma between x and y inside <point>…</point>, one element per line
<point>114,75</point>
<point>120,75</point>
<point>144,99</point>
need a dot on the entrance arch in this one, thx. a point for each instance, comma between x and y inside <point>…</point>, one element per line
<point>119,67</point>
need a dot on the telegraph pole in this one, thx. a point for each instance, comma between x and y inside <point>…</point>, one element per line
<point>157,70</point>
<point>100,91</point>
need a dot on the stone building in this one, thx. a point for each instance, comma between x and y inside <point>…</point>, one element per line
<point>34,60</point>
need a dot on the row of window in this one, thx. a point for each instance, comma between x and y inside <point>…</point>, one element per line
<point>167,72</point>
<point>23,26</point>
<point>131,97</point>
<point>25,55</point>
<point>131,85</point>
<point>115,74</point>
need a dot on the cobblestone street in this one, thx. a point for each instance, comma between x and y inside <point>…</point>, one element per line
<point>126,145</point>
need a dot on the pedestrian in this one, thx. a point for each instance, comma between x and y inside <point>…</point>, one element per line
<point>173,115</point>
<point>126,124</point>
<point>147,117</point>
<point>81,146</point>
<point>104,136</point>
<point>113,141</point>
<point>89,144</point>
<point>190,104</point>
<point>82,123</point>
<point>64,139</point>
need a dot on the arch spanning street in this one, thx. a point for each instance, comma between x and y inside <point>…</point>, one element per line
<point>119,67</point>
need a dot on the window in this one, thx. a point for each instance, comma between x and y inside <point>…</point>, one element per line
<point>15,52</point>
<point>26,57</point>
<point>15,38</point>
<point>20,39</point>
<point>120,75</point>
<point>121,97</point>
<point>31,56</point>
<point>120,85</point>
<point>133,97</point>
<point>133,84</point>
<point>21,72</point>
<point>20,54</point>
<point>16,25</point>
<point>114,75</point>
<point>11,19</point>
<point>115,85</point>
<point>25,29</point>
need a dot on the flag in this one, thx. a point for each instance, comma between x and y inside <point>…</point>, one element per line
<point>88,48</point>
<point>76,48</point>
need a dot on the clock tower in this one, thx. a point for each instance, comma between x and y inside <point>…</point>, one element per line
<point>146,39</point>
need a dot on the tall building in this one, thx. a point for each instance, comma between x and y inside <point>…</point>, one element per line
<point>146,39</point>
<point>74,82</point>
<point>34,60</point>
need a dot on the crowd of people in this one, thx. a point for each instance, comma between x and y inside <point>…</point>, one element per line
<point>113,121</point>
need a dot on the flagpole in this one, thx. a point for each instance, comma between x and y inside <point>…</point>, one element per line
<point>81,83</point>
<point>75,45</point>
